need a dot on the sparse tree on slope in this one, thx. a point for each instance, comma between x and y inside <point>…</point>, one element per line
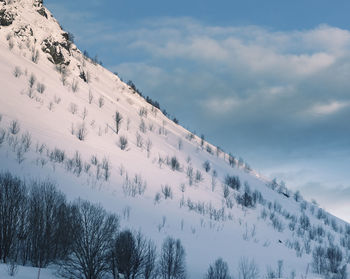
<point>172,260</point>
<point>219,270</point>
<point>94,235</point>
<point>118,119</point>
<point>12,198</point>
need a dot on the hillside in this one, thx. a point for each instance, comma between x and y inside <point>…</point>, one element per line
<point>157,176</point>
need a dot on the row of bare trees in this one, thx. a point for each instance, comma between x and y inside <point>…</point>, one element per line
<point>39,227</point>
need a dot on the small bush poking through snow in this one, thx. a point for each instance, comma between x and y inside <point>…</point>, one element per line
<point>26,142</point>
<point>233,182</point>
<point>123,142</point>
<point>40,88</point>
<point>73,108</point>
<point>206,166</point>
<point>11,44</point>
<point>35,55</point>
<point>199,176</point>
<point>91,97</point>
<point>32,80</point>
<point>75,85</point>
<point>17,72</point>
<point>14,127</point>
<point>57,155</point>
<point>174,163</point>
<point>101,102</point>
<point>167,192</point>
<point>81,132</point>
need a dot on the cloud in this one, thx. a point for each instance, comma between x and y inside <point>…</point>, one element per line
<point>329,108</point>
<point>219,105</point>
<point>245,76</point>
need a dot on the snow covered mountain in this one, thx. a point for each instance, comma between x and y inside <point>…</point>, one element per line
<point>65,118</point>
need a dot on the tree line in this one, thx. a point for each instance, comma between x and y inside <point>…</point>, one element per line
<point>39,227</point>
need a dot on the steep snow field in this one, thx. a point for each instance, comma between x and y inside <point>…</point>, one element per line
<point>208,224</point>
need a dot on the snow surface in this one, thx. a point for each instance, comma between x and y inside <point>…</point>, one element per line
<point>242,232</point>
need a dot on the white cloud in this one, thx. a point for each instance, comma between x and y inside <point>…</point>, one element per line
<point>329,108</point>
<point>219,105</point>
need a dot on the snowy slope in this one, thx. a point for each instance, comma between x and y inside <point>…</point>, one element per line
<point>209,225</point>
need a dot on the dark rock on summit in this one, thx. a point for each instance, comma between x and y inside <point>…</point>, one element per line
<point>6,18</point>
<point>42,12</point>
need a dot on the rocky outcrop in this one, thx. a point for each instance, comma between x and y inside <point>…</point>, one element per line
<point>23,32</point>
<point>54,49</point>
<point>6,17</point>
<point>38,3</point>
<point>42,12</point>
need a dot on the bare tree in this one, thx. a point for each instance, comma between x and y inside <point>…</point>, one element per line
<point>40,87</point>
<point>17,72</point>
<point>92,239</point>
<point>81,132</point>
<point>123,142</point>
<point>150,270</point>
<point>219,270</point>
<point>202,140</point>
<point>139,140</point>
<point>206,166</point>
<point>75,85</point>
<point>117,119</point>
<point>43,205</point>
<point>142,126</point>
<point>84,113</point>
<point>35,55</point>
<point>73,108</point>
<point>122,254</point>
<point>2,136</point>
<point>101,102</point>
<point>172,260</point>
<point>32,80</point>
<point>167,192</point>
<point>12,199</point>
<point>106,168</point>
<point>247,269</point>
<point>91,97</point>
<point>148,147</point>
<point>14,127</point>
<point>319,260</point>
<point>334,257</point>
<point>129,255</point>
<point>139,255</point>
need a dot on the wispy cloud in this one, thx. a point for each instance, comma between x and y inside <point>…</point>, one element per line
<point>219,105</point>
<point>329,108</point>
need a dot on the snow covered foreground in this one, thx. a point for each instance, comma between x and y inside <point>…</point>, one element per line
<point>61,99</point>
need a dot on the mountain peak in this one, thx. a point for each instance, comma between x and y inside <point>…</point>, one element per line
<point>28,22</point>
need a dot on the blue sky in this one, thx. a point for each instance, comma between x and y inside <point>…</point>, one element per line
<point>266,80</point>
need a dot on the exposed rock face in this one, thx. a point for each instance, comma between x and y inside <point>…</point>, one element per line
<point>23,31</point>
<point>6,17</point>
<point>42,12</point>
<point>38,3</point>
<point>54,48</point>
